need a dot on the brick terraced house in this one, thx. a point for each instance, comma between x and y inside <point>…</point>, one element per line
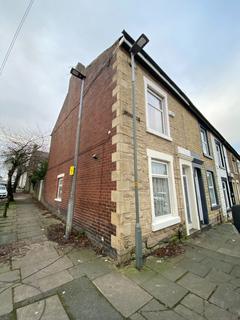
<point>185,165</point>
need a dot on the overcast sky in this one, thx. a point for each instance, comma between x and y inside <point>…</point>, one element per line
<point>195,42</point>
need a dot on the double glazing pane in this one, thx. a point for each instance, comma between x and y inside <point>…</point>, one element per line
<point>204,142</point>
<point>160,183</point>
<point>219,154</point>
<point>211,188</point>
<point>60,183</point>
<point>159,168</point>
<point>155,112</point>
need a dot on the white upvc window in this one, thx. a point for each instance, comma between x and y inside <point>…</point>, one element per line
<point>212,189</point>
<point>162,190</point>
<point>205,143</point>
<point>238,191</point>
<point>157,118</point>
<point>235,165</point>
<point>59,187</point>
<point>220,154</point>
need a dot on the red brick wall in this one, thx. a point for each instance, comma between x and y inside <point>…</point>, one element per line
<point>93,195</point>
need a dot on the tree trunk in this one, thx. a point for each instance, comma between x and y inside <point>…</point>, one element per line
<point>19,173</point>
<point>9,185</point>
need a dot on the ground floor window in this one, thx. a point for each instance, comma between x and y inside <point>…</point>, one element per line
<point>212,189</point>
<point>59,187</point>
<point>162,190</point>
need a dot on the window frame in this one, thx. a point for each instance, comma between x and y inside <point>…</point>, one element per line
<point>159,93</point>
<point>213,205</point>
<point>235,165</point>
<point>221,154</point>
<point>59,178</point>
<point>227,196</point>
<point>205,143</point>
<point>172,218</point>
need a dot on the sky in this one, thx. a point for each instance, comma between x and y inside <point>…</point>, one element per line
<point>195,42</point>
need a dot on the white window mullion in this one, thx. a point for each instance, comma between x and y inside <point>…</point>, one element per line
<point>162,190</point>
<point>156,110</point>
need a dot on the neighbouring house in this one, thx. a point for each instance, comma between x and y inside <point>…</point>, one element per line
<point>181,178</point>
<point>233,177</point>
<point>36,159</point>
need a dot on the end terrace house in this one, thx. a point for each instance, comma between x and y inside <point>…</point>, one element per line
<point>180,186</point>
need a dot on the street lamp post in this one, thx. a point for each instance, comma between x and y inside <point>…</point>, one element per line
<point>78,72</point>
<point>135,49</point>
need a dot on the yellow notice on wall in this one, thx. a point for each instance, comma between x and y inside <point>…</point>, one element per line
<point>71,170</point>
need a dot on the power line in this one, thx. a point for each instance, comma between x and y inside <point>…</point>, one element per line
<point>15,36</point>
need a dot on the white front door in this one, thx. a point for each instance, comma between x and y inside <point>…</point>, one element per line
<point>225,192</point>
<point>189,197</point>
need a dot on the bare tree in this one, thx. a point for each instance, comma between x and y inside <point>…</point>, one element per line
<point>16,152</point>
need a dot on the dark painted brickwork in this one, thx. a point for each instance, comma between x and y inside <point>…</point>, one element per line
<point>93,197</point>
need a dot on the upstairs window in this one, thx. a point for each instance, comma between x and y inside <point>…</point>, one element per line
<point>235,165</point>
<point>205,144</point>
<point>156,110</point>
<point>220,157</point>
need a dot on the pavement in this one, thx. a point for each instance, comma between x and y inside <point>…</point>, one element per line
<point>46,281</point>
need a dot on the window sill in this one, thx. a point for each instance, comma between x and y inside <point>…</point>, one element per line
<point>215,207</point>
<point>207,156</point>
<point>58,200</point>
<point>161,135</point>
<point>165,222</point>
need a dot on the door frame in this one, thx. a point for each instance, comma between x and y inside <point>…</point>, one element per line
<point>202,193</point>
<point>192,196</point>
<point>225,180</point>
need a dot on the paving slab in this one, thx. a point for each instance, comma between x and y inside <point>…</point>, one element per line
<point>28,290</point>
<point>7,238</point>
<point>236,271</point>
<point>213,312</point>
<point>92,269</point>
<point>9,279</point>
<point>197,285</point>
<point>230,252</point>
<point>174,272</point>
<point>218,277</point>
<point>48,309</point>
<point>125,295</point>
<point>194,267</point>
<point>187,313</point>
<point>81,255</point>
<point>4,267</point>
<point>226,298</point>
<point>217,264</point>
<point>39,256</point>
<point>82,301</point>
<point>194,253</point>
<point>164,290</point>
<point>208,310</point>
<point>6,304</point>
<point>63,263</point>
<point>163,315</point>
<point>193,302</point>
<point>138,276</point>
<point>153,305</point>
<point>137,316</point>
